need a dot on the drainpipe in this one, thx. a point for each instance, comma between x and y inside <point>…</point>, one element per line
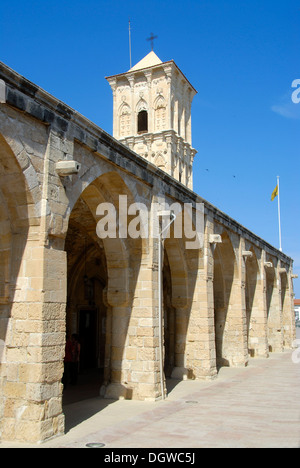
<point>160,298</point>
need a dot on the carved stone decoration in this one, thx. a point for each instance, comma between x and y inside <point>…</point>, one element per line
<point>125,120</point>
<point>141,106</point>
<point>160,161</point>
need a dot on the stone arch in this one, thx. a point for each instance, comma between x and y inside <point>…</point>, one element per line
<point>95,167</point>
<point>106,189</point>
<point>25,152</point>
<point>124,108</point>
<point>17,213</point>
<point>159,102</point>
<point>141,106</point>
<point>115,250</point>
<point>15,187</point>
<point>86,314</point>
<point>118,271</point>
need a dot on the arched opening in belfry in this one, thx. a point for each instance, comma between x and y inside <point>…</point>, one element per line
<point>142,123</point>
<point>224,273</point>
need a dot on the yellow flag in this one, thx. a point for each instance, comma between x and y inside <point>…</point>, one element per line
<point>275,193</point>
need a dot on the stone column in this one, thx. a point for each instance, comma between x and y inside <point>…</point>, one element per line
<point>35,348</point>
<point>35,342</point>
<point>134,340</point>
<point>236,336</point>
<point>200,340</point>
<point>288,314</point>
<point>200,352</point>
<point>274,312</point>
<point>259,329</point>
<point>180,370</point>
<point>256,306</point>
<point>143,350</point>
<point>118,382</point>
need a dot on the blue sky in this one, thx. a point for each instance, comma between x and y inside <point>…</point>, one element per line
<point>242,57</point>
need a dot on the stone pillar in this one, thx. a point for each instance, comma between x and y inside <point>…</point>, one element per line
<point>180,370</point>
<point>118,382</point>
<point>273,300</point>
<point>200,340</point>
<point>255,306</point>
<point>134,341</point>
<point>143,349</point>
<point>35,342</point>
<point>200,353</point>
<point>290,310</point>
<point>237,351</point>
<point>258,336</point>
<point>243,348</point>
<point>287,304</point>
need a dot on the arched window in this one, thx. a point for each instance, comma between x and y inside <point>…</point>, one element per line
<point>142,124</point>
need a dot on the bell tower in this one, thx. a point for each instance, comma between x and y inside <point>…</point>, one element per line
<point>152,115</point>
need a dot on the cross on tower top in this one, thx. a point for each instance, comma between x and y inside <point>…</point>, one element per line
<point>151,38</point>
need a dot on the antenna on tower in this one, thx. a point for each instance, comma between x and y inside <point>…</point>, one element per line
<point>129,43</point>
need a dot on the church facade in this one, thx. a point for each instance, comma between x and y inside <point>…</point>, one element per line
<point>146,307</point>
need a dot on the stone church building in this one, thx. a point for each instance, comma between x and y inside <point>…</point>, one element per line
<point>146,307</point>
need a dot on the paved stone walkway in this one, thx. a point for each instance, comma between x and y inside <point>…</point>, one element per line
<point>256,406</point>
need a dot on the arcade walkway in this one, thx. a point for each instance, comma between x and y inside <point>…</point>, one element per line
<point>256,406</point>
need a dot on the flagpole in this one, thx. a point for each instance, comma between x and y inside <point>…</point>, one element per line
<point>280,247</point>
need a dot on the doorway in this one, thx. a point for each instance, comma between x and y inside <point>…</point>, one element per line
<point>86,312</point>
<point>88,338</point>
